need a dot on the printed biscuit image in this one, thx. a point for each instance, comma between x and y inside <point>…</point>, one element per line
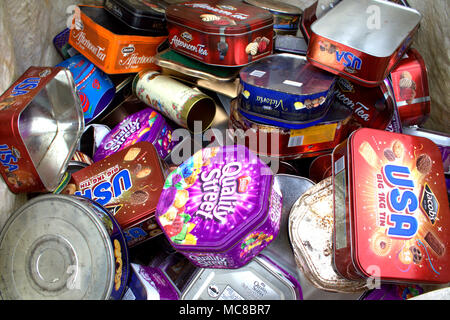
<point>144,172</point>
<point>407,87</point>
<point>398,149</point>
<point>367,152</point>
<point>132,154</point>
<point>299,105</point>
<point>381,244</point>
<point>119,264</point>
<point>424,164</point>
<point>139,197</point>
<point>434,243</point>
<point>209,17</point>
<point>416,254</point>
<point>251,48</point>
<point>405,256</point>
<point>389,154</point>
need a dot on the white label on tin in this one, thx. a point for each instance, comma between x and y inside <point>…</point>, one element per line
<point>230,294</point>
<point>257,73</point>
<point>295,141</point>
<point>293,83</point>
<point>339,165</point>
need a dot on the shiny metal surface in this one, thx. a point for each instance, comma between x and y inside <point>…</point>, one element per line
<point>54,247</point>
<point>354,23</point>
<point>258,280</point>
<point>50,127</point>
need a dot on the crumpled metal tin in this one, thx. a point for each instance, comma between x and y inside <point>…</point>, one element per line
<point>311,233</point>
<point>362,47</point>
<point>261,279</point>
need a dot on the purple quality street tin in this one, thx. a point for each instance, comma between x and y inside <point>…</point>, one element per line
<point>220,207</point>
<point>145,125</point>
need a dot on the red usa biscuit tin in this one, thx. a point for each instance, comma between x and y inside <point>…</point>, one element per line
<point>290,144</point>
<point>391,208</point>
<point>410,84</point>
<point>360,46</point>
<point>220,32</point>
<point>109,44</point>
<point>128,183</point>
<point>43,121</point>
<point>59,247</point>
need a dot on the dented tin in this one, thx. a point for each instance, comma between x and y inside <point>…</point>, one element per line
<point>311,235</point>
<point>285,90</point>
<point>43,121</point>
<point>391,209</point>
<point>286,16</point>
<point>140,15</point>
<point>48,247</point>
<point>410,85</point>
<point>290,144</point>
<point>109,44</point>
<point>364,48</point>
<point>220,32</point>
<point>128,184</point>
<point>261,279</point>
<point>221,207</point>
<point>145,125</point>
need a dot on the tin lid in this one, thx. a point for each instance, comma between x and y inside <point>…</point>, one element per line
<point>214,199</point>
<point>348,22</point>
<point>219,16</point>
<point>149,8</point>
<point>311,233</point>
<point>144,125</point>
<point>277,6</point>
<point>287,73</point>
<point>441,139</point>
<point>261,279</point>
<point>403,226</point>
<point>128,183</point>
<point>54,247</point>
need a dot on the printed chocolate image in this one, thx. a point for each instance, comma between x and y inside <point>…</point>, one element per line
<point>389,154</point>
<point>424,164</point>
<point>434,243</point>
<point>139,197</point>
<point>407,87</point>
<point>416,254</point>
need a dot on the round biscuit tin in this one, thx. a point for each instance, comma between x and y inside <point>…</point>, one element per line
<point>62,247</point>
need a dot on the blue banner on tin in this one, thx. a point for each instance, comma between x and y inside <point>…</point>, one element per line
<point>95,89</point>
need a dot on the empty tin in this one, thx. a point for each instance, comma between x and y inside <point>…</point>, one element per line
<point>410,85</point>
<point>140,15</point>
<point>145,125</point>
<point>220,32</point>
<point>62,247</point>
<point>285,90</point>
<point>220,207</point>
<point>128,183</point>
<point>95,89</point>
<point>391,209</point>
<point>311,235</point>
<point>362,40</point>
<point>43,121</point>
<point>372,107</point>
<point>286,16</point>
<point>261,279</point>
<point>110,44</point>
<point>147,283</point>
<point>290,144</point>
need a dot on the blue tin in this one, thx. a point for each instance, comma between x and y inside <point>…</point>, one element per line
<point>94,87</point>
<point>285,90</point>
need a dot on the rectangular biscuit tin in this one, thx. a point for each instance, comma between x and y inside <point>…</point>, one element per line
<point>362,40</point>
<point>220,32</point>
<point>42,122</point>
<point>109,44</point>
<point>391,208</point>
<point>128,183</point>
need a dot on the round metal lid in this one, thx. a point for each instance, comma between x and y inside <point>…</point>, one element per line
<point>55,247</point>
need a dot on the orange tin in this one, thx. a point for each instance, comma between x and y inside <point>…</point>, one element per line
<point>110,44</point>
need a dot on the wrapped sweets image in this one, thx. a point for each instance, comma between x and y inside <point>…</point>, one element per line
<point>221,207</point>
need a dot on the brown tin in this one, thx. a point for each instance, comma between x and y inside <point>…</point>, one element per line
<point>110,44</point>
<point>128,183</point>
<point>362,40</point>
<point>42,123</point>
<point>220,32</point>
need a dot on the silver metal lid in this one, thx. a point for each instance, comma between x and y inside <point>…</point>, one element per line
<point>274,5</point>
<point>258,280</point>
<point>375,27</point>
<point>55,247</point>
